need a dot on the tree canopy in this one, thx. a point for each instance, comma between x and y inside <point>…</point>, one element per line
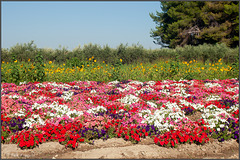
<point>196,22</point>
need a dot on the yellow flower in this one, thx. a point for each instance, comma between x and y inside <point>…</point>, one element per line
<point>50,62</point>
<point>220,60</point>
<point>103,61</point>
<point>7,62</point>
<point>95,60</point>
<point>156,70</point>
<point>3,62</point>
<point>190,62</point>
<point>64,64</point>
<point>29,60</point>
<point>90,59</point>
<point>120,60</point>
<point>15,61</point>
<point>212,64</point>
<point>202,68</point>
<point>88,65</point>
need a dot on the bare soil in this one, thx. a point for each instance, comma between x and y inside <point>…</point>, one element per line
<point>117,148</point>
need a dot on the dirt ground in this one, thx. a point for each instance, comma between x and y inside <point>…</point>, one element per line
<point>118,148</point>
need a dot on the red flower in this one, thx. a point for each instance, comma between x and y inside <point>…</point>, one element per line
<point>127,137</point>
<point>161,143</point>
<point>166,142</point>
<point>156,140</point>
<point>107,126</point>
<point>119,135</point>
<point>28,144</point>
<point>143,130</point>
<point>146,134</point>
<point>172,143</point>
<point>2,138</point>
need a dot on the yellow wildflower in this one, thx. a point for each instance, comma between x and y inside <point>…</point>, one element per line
<point>103,61</point>
<point>50,62</point>
<point>15,61</point>
<point>95,60</point>
<point>120,60</point>
<point>3,62</point>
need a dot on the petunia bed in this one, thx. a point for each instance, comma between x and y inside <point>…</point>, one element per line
<point>82,111</point>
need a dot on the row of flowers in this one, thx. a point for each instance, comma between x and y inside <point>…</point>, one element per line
<point>82,111</point>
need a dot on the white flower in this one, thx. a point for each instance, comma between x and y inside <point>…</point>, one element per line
<point>218,129</point>
<point>221,125</point>
<point>129,99</point>
<point>151,104</point>
<point>93,91</point>
<point>209,85</point>
<point>20,83</point>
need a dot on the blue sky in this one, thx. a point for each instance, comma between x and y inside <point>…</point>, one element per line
<point>70,24</point>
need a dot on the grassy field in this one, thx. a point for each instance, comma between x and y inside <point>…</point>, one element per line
<point>94,70</point>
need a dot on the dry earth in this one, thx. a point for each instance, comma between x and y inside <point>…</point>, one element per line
<point>117,148</point>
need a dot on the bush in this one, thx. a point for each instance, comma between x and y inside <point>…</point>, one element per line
<point>129,54</point>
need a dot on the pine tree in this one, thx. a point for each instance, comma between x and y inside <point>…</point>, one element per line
<point>197,22</point>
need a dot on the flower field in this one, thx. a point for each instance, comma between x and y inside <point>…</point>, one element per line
<point>171,112</point>
<point>93,70</point>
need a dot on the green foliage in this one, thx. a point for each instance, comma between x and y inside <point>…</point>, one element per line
<point>14,70</point>
<point>116,71</point>
<point>129,54</point>
<point>197,22</point>
<point>74,62</point>
<point>39,64</point>
<point>24,51</point>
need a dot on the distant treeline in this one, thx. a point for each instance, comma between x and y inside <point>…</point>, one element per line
<point>129,54</point>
